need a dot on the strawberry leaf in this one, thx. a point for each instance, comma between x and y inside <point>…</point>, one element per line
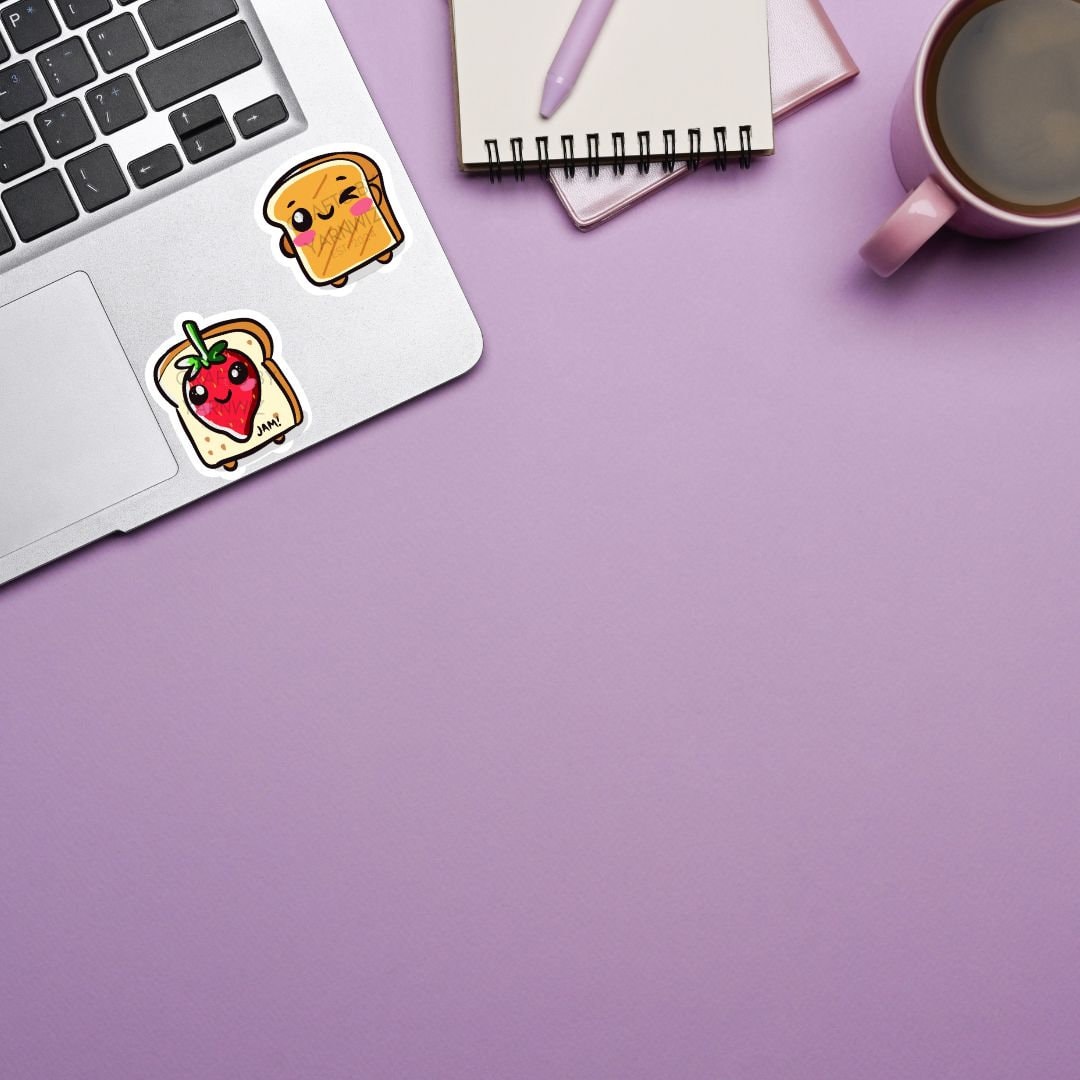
<point>191,329</point>
<point>204,357</point>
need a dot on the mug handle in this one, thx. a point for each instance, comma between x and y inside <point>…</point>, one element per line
<point>925,211</point>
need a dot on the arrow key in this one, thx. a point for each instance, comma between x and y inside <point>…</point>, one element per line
<point>208,141</point>
<point>262,116</point>
<point>156,166</point>
<point>196,115</point>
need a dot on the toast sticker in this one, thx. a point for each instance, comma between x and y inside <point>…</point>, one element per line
<point>226,391</point>
<point>334,217</point>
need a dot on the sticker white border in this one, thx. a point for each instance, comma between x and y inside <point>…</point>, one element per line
<point>264,455</point>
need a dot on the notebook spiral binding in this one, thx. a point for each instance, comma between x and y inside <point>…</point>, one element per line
<point>619,159</point>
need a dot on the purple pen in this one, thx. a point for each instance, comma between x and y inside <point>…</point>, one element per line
<point>573,53</point>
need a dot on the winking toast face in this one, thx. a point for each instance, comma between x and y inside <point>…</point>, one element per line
<point>335,218</point>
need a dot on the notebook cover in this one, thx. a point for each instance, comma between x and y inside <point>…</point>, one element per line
<point>808,60</point>
<point>676,67</point>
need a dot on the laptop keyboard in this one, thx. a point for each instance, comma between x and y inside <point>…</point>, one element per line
<point>83,84</point>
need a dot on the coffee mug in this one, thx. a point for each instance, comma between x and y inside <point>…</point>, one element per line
<point>941,191</point>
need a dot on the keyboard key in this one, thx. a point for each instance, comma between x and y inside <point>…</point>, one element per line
<point>66,67</point>
<point>156,166</point>
<point>199,66</point>
<point>19,90</point>
<point>64,129</point>
<point>202,129</point>
<point>19,153</point>
<point>39,206</point>
<point>116,105</point>
<point>118,43</point>
<point>208,142</point>
<point>4,52</point>
<point>97,179</point>
<point>7,241</point>
<point>261,117</point>
<point>30,23</point>
<point>199,114</point>
<point>170,21</point>
<point>78,13</point>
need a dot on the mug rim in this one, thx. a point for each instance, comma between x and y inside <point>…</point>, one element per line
<point>943,173</point>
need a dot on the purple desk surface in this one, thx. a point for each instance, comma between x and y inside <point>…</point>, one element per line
<point>689,692</point>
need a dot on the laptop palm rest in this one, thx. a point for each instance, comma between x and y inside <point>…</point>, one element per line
<point>77,435</point>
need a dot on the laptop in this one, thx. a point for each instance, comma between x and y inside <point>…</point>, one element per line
<point>211,258</point>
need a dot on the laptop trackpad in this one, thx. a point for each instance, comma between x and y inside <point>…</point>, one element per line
<point>77,435</point>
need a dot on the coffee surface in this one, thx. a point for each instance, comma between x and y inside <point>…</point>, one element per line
<point>1003,103</point>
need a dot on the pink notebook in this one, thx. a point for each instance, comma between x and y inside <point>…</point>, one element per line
<point>808,60</point>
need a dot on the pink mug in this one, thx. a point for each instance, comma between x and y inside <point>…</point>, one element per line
<point>937,197</point>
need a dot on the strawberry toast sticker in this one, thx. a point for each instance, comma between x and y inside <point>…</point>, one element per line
<point>226,391</point>
<point>333,216</point>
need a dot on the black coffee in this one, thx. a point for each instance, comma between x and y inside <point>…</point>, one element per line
<point>1003,102</point>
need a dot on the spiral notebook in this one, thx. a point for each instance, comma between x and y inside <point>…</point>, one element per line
<point>809,58</point>
<point>666,82</point>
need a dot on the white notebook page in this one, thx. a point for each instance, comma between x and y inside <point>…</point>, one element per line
<point>659,65</point>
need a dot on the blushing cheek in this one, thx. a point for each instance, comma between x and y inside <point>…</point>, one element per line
<point>361,207</point>
<point>247,385</point>
<point>203,410</point>
<point>305,239</point>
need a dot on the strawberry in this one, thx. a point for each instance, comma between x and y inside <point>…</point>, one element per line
<point>222,386</point>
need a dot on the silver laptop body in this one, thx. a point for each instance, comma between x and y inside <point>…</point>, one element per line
<point>268,279</point>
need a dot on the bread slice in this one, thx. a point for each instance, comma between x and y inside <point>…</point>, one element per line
<point>335,217</point>
<point>279,410</point>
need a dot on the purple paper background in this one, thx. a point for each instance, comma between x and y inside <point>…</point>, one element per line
<point>690,692</point>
